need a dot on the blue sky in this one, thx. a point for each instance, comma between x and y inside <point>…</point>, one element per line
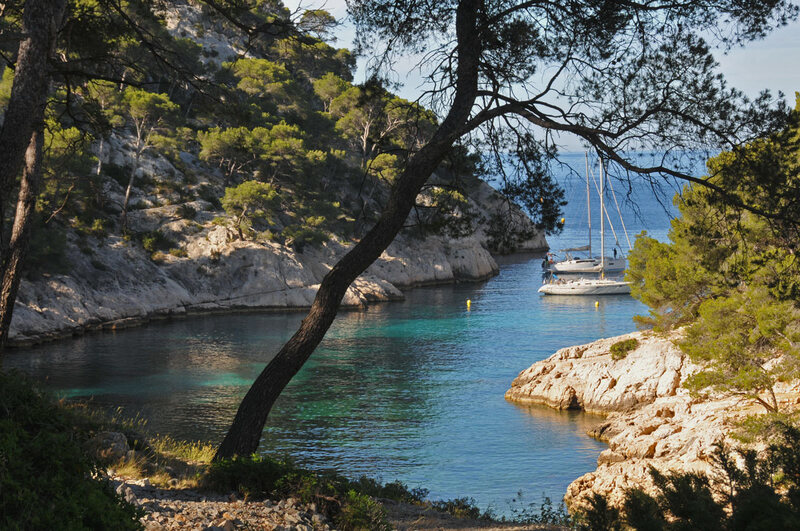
<point>773,63</point>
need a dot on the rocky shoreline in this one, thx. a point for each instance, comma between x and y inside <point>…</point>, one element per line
<point>167,509</point>
<point>114,283</point>
<point>651,420</point>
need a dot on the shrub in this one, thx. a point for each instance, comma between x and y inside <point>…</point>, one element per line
<point>763,494</point>
<point>360,512</point>
<point>156,241</point>
<point>334,494</point>
<point>620,349</point>
<point>458,507</point>
<point>250,202</point>
<point>97,228</point>
<point>187,212</point>
<point>544,513</point>
<point>178,252</point>
<point>45,477</point>
<point>299,235</point>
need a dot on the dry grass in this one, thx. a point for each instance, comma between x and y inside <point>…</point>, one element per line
<point>196,452</point>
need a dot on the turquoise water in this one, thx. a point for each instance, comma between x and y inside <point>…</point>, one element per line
<point>411,390</point>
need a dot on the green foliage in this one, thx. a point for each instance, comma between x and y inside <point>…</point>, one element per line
<point>156,241</point>
<point>260,77</point>
<point>250,202</point>
<point>458,507</point>
<point>308,232</point>
<point>186,212</point>
<point>386,167</point>
<point>620,349</point>
<point>336,495</point>
<point>745,342</point>
<point>729,276</point>
<point>372,120</point>
<point>329,87</point>
<point>667,278</point>
<point>505,233</point>
<point>761,493</point>
<point>45,476</point>
<point>544,513</point>
<point>108,99</point>
<point>69,186</point>
<point>361,513</point>
<point>6,80</point>
<point>149,112</point>
<point>275,152</point>
<point>445,211</point>
<point>314,60</point>
<point>600,516</point>
<point>233,149</point>
<point>263,88</point>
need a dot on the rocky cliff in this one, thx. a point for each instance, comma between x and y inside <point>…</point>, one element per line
<point>114,282</point>
<point>651,420</point>
<point>181,253</point>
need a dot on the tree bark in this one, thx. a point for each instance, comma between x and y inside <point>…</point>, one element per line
<point>123,217</point>
<point>245,432</point>
<point>21,143</point>
<point>40,22</point>
<point>21,231</point>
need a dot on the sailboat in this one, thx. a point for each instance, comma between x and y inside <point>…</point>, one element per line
<point>589,264</point>
<point>590,286</point>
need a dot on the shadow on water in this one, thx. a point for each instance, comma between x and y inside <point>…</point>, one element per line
<point>411,390</point>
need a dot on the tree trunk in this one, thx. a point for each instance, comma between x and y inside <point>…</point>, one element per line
<point>40,22</point>
<point>123,218</point>
<point>21,141</point>
<point>100,156</point>
<point>21,232</point>
<point>244,434</point>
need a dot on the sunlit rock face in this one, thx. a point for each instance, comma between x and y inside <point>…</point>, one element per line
<point>115,283</point>
<point>651,420</point>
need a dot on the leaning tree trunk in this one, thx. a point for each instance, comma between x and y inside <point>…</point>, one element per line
<point>21,232</point>
<point>21,140</point>
<point>40,22</point>
<point>245,432</point>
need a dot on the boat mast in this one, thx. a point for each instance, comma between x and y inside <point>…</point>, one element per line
<point>602,221</point>
<point>588,202</point>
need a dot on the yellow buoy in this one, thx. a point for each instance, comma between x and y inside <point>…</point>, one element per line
<point>562,221</point>
<point>596,304</point>
<point>469,303</point>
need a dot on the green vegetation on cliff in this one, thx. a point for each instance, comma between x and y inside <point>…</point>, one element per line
<point>172,103</point>
<point>732,277</point>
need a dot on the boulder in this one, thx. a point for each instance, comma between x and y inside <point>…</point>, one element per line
<point>108,446</point>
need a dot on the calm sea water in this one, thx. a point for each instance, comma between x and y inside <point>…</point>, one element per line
<point>411,390</point>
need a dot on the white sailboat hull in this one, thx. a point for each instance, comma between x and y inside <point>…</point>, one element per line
<point>589,265</point>
<point>586,287</point>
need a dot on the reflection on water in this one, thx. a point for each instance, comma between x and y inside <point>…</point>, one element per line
<point>410,390</point>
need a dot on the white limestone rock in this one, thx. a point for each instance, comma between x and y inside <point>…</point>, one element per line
<point>651,419</point>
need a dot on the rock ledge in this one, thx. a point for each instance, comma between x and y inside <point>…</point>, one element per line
<point>651,420</point>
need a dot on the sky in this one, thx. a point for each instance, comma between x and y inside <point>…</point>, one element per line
<point>772,63</point>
